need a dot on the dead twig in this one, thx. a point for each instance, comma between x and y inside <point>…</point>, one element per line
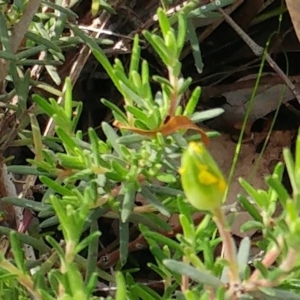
<point>259,51</point>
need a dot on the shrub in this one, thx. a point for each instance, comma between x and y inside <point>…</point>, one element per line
<point>142,154</point>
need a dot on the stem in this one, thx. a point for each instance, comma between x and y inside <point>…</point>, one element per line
<point>184,278</point>
<point>289,262</point>
<point>174,96</point>
<point>228,244</point>
<point>269,258</point>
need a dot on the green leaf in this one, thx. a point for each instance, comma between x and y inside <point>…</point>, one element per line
<point>130,94</point>
<point>278,187</point>
<point>21,83</point>
<point>261,268</point>
<point>128,201</point>
<point>166,178</point>
<point>76,117</point>
<point>39,40</point>
<point>118,114</point>
<point>87,241</point>
<point>121,287</point>
<point>25,170</point>
<point>162,80</point>
<point>138,114</point>
<point>290,165</point>
<point>44,104</point>
<point>107,7</point>
<point>98,53</point>
<point>67,140</point>
<point>182,30</point>
<point>37,244</point>
<point>251,225</point>
<point>30,204</point>
<point>282,294</point>
<point>30,52</point>
<point>164,190</point>
<point>57,187</point>
<point>95,7</point>
<point>60,8</point>
<point>124,241</point>
<point>146,220</point>
<point>8,56</point>
<point>75,281</point>
<point>144,292</point>
<point>171,44</point>
<point>188,228</point>
<point>243,255</point>
<point>37,137</point>
<point>69,228</point>
<point>159,46</point>
<point>252,192</point>
<point>161,239</point>
<point>206,115</point>
<point>194,274</point>
<point>4,34</point>
<point>151,199</point>
<point>43,166</point>
<point>52,221</point>
<point>163,22</point>
<point>112,137</point>
<point>52,71</point>
<point>54,278</point>
<point>135,56</point>
<point>17,252</point>
<point>94,144</point>
<point>184,85</point>
<point>92,283</point>
<point>250,208</point>
<point>131,139</point>
<point>92,257</point>
<point>49,157</point>
<point>137,81</point>
<point>68,98</point>
<point>192,103</point>
<point>192,36</point>
<point>119,169</point>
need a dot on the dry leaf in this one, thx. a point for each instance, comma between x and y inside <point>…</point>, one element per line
<point>174,124</point>
<point>294,10</point>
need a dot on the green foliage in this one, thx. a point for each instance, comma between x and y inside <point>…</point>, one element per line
<point>141,155</point>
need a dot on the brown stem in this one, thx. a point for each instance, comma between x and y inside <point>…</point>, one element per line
<point>228,244</point>
<point>268,259</point>
<point>184,278</point>
<point>289,262</point>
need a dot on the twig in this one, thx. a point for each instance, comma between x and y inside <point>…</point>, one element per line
<point>259,51</point>
<point>228,246</point>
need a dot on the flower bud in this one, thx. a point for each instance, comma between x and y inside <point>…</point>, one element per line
<point>201,178</point>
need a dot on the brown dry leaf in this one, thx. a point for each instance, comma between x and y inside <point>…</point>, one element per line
<point>6,209</point>
<point>174,124</point>
<point>4,245</point>
<point>294,10</point>
<point>237,102</point>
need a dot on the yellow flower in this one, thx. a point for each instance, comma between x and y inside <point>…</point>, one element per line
<point>202,181</point>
